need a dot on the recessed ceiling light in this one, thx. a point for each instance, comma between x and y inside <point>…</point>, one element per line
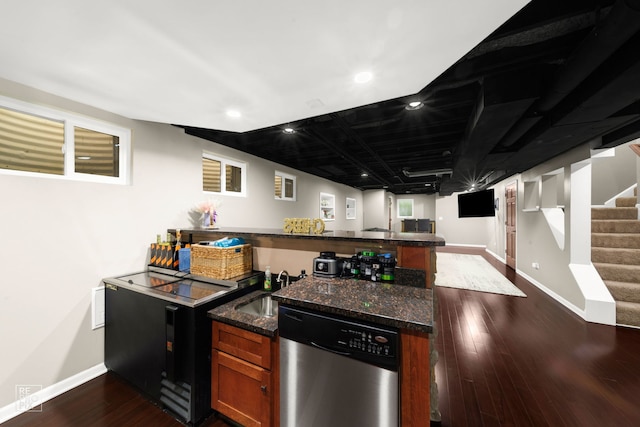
<point>363,77</point>
<point>414,105</point>
<point>234,113</point>
<point>364,174</point>
<point>288,130</point>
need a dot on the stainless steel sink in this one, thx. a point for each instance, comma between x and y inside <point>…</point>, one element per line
<point>262,306</point>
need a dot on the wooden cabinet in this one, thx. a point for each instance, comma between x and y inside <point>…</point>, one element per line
<point>421,257</point>
<point>244,376</point>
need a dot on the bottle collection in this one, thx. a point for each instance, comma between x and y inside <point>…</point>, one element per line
<point>170,253</point>
<point>368,265</point>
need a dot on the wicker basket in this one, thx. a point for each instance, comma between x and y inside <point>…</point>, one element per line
<point>221,263</point>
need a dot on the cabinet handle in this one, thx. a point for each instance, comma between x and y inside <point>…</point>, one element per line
<point>263,388</point>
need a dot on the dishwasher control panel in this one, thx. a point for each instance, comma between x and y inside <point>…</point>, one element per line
<point>369,341</point>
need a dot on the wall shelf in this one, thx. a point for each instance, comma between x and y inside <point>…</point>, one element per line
<point>327,207</point>
<point>532,196</point>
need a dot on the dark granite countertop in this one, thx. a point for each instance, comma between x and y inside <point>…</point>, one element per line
<point>388,237</point>
<point>227,313</point>
<point>386,304</point>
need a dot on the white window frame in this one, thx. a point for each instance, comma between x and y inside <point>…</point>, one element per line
<point>71,121</point>
<point>224,161</point>
<point>405,201</point>
<point>284,176</point>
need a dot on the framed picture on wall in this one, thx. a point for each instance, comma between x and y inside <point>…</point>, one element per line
<point>351,208</point>
<point>405,208</point>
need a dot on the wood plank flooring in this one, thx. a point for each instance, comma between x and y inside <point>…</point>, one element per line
<point>503,361</point>
<point>103,402</point>
<point>509,361</point>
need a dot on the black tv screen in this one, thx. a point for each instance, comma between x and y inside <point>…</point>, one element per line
<point>476,204</point>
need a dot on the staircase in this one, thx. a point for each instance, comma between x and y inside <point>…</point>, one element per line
<point>615,253</point>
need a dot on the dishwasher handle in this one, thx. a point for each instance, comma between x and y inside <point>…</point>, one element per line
<point>321,347</point>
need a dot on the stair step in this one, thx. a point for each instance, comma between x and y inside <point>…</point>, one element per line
<point>626,202</point>
<point>615,255</point>
<point>618,272</point>
<point>614,213</point>
<point>615,240</point>
<point>627,313</point>
<point>624,291</point>
<point>615,226</point>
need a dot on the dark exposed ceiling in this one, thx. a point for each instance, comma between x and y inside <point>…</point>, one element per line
<point>557,75</point>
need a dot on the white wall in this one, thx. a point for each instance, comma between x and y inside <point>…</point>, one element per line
<point>613,174</point>
<point>374,210</point>
<point>62,237</point>
<point>460,231</point>
<point>535,240</point>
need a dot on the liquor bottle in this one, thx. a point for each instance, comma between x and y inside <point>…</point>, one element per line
<point>176,257</point>
<point>153,254</point>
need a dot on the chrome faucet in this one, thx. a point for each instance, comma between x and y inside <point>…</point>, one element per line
<point>279,281</point>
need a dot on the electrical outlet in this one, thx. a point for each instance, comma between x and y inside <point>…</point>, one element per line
<point>535,265</point>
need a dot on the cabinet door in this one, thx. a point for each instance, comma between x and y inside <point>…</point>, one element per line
<point>240,390</point>
<point>246,345</point>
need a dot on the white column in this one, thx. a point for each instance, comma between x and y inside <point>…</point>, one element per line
<point>599,304</point>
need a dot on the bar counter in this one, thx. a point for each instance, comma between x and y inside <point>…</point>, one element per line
<point>372,237</point>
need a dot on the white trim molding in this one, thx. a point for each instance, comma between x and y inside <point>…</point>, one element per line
<point>16,408</point>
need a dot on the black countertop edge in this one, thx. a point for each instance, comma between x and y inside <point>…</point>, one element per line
<point>389,237</point>
<point>227,313</point>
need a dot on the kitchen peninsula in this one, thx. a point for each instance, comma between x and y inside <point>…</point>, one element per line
<point>411,310</point>
<point>413,250</point>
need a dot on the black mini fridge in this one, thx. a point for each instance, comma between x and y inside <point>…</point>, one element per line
<point>158,336</point>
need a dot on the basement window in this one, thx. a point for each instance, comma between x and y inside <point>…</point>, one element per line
<point>284,186</point>
<point>223,176</point>
<point>40,141</point>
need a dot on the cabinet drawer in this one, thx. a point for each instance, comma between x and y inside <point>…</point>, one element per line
<point>246,345</point>
<point>241,390</point>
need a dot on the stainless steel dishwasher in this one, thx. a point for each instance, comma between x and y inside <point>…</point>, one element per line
<point>336,372</point>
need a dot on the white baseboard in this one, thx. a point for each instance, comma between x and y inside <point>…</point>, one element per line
<point>465,245</point>
<point>578,311</point>
<point>575,309</point>
<point>493,254</point>
<point>36,399</point>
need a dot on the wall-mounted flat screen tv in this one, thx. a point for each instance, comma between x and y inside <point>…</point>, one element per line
<point>476,204</point>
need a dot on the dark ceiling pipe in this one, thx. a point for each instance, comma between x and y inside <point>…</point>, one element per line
<point>621,24</point>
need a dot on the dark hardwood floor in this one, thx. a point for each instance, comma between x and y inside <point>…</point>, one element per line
<point>104,401</point>
<point>504,361</point>
<point>510,361</point>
